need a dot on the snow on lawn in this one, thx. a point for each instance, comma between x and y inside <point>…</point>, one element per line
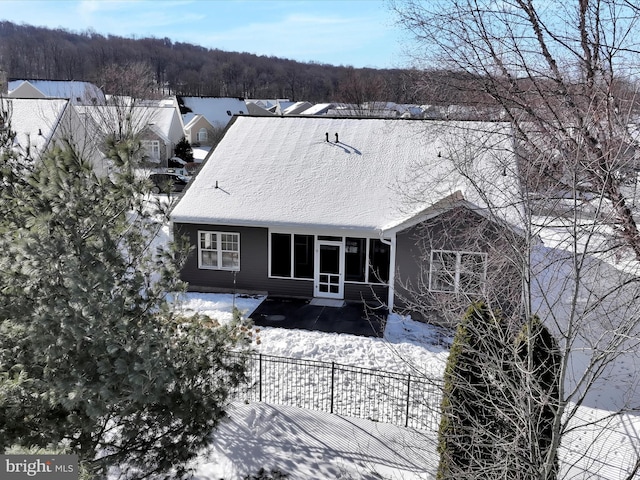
<point>311,444</point>
<point>407,345</point>
<point>308,444</point>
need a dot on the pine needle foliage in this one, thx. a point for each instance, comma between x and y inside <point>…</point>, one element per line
<point>93,356</point>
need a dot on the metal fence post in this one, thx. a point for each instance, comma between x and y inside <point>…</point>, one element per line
<point>406,423</point>
<point>333,375</point>
<point>260,377</point>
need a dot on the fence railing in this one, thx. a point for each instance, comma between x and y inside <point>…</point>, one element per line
<point>401,399</point>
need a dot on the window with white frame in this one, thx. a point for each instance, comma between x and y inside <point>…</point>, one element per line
<point>202,135</point>
<point>219,250</point>
<point>457,272</point>
<point>152,147</point>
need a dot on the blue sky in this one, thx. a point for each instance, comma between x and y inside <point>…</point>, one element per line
<point>360,33</point>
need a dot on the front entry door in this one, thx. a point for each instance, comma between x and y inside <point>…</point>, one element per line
<point>329,270</point>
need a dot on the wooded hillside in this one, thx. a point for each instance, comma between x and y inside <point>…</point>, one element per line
<point>29,52</point>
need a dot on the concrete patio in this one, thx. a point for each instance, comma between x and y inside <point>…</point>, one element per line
<point>354,318</point>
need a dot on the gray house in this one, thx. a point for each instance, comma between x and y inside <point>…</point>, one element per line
<point>339,208</point>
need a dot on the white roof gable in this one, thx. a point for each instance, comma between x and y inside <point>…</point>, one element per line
<point>35,120</point>
<point>218,110</point>
<point>78,92</point>
<point>281,171</point>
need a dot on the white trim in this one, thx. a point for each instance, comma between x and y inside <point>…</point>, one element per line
<point>152,147</point>
<point>219,251</point>
<point>317,274</point>
<point>202,135</point>
<point>456,279</point>
<point>292,259</point>
<point>392,273</point>
<point>343,236</point>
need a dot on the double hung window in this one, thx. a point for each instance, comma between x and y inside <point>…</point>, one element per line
<point>219,250</point>
<point>457,272</point>
<point>152,147</point>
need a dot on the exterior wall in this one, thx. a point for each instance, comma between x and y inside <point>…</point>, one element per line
<point>192,133</point>
<point>175,132</point>
<point>456,230</point>
<point>253,275</point>
<point>369,293</point>
<point>71,126</point>
<point>165,150</point>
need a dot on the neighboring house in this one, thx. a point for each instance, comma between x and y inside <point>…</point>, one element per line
<point>160,128</point>
<point>328,207</point>
<point>41,123</point>
<point>79,93</point>
<point>297,108</point>
<point>258,108</point>
<point>318,109</point>
<point>199,131</point>
<point>218,111</point>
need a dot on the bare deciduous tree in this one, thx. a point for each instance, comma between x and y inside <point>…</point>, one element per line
<point>564,80</point>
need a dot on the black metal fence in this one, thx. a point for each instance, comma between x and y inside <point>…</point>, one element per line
<point>401,399</point>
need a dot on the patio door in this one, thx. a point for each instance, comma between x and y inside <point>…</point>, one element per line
<point>329,270</point>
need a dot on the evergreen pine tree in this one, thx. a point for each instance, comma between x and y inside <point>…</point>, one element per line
<point>471,408</point>
<point>92,354</point>
<point>183,150</point>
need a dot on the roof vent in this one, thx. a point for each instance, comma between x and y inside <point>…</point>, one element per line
<point>326,136</point>
<point>337,137</point>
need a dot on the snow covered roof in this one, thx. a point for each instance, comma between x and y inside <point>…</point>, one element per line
<point>317,109</point>
<point>162,120</point>
<point>78,92</point>
<point>217,110</point>
<point>270,171</point>
<point>296,108</point>
<point>257,109</point>
<point>35,120</point>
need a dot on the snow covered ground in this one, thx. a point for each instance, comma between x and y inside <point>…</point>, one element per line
<point>309,444</point>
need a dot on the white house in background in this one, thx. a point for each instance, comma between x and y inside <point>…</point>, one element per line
<point>199,130</point>
<point>204,117</point>
<point>41,123</point>
<point>319,207</point>
<point>79,93</point>
<point>160,127</point>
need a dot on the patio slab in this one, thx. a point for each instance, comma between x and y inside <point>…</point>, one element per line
<point>352,317</point>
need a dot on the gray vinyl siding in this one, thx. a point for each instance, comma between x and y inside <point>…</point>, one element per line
<point>369,293</point>
<point>253,275</point>
<point>457,230</point>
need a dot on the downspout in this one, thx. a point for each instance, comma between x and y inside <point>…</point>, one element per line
<point>392,269</point>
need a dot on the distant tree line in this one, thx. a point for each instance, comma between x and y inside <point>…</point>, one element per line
<point>28,52</point>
